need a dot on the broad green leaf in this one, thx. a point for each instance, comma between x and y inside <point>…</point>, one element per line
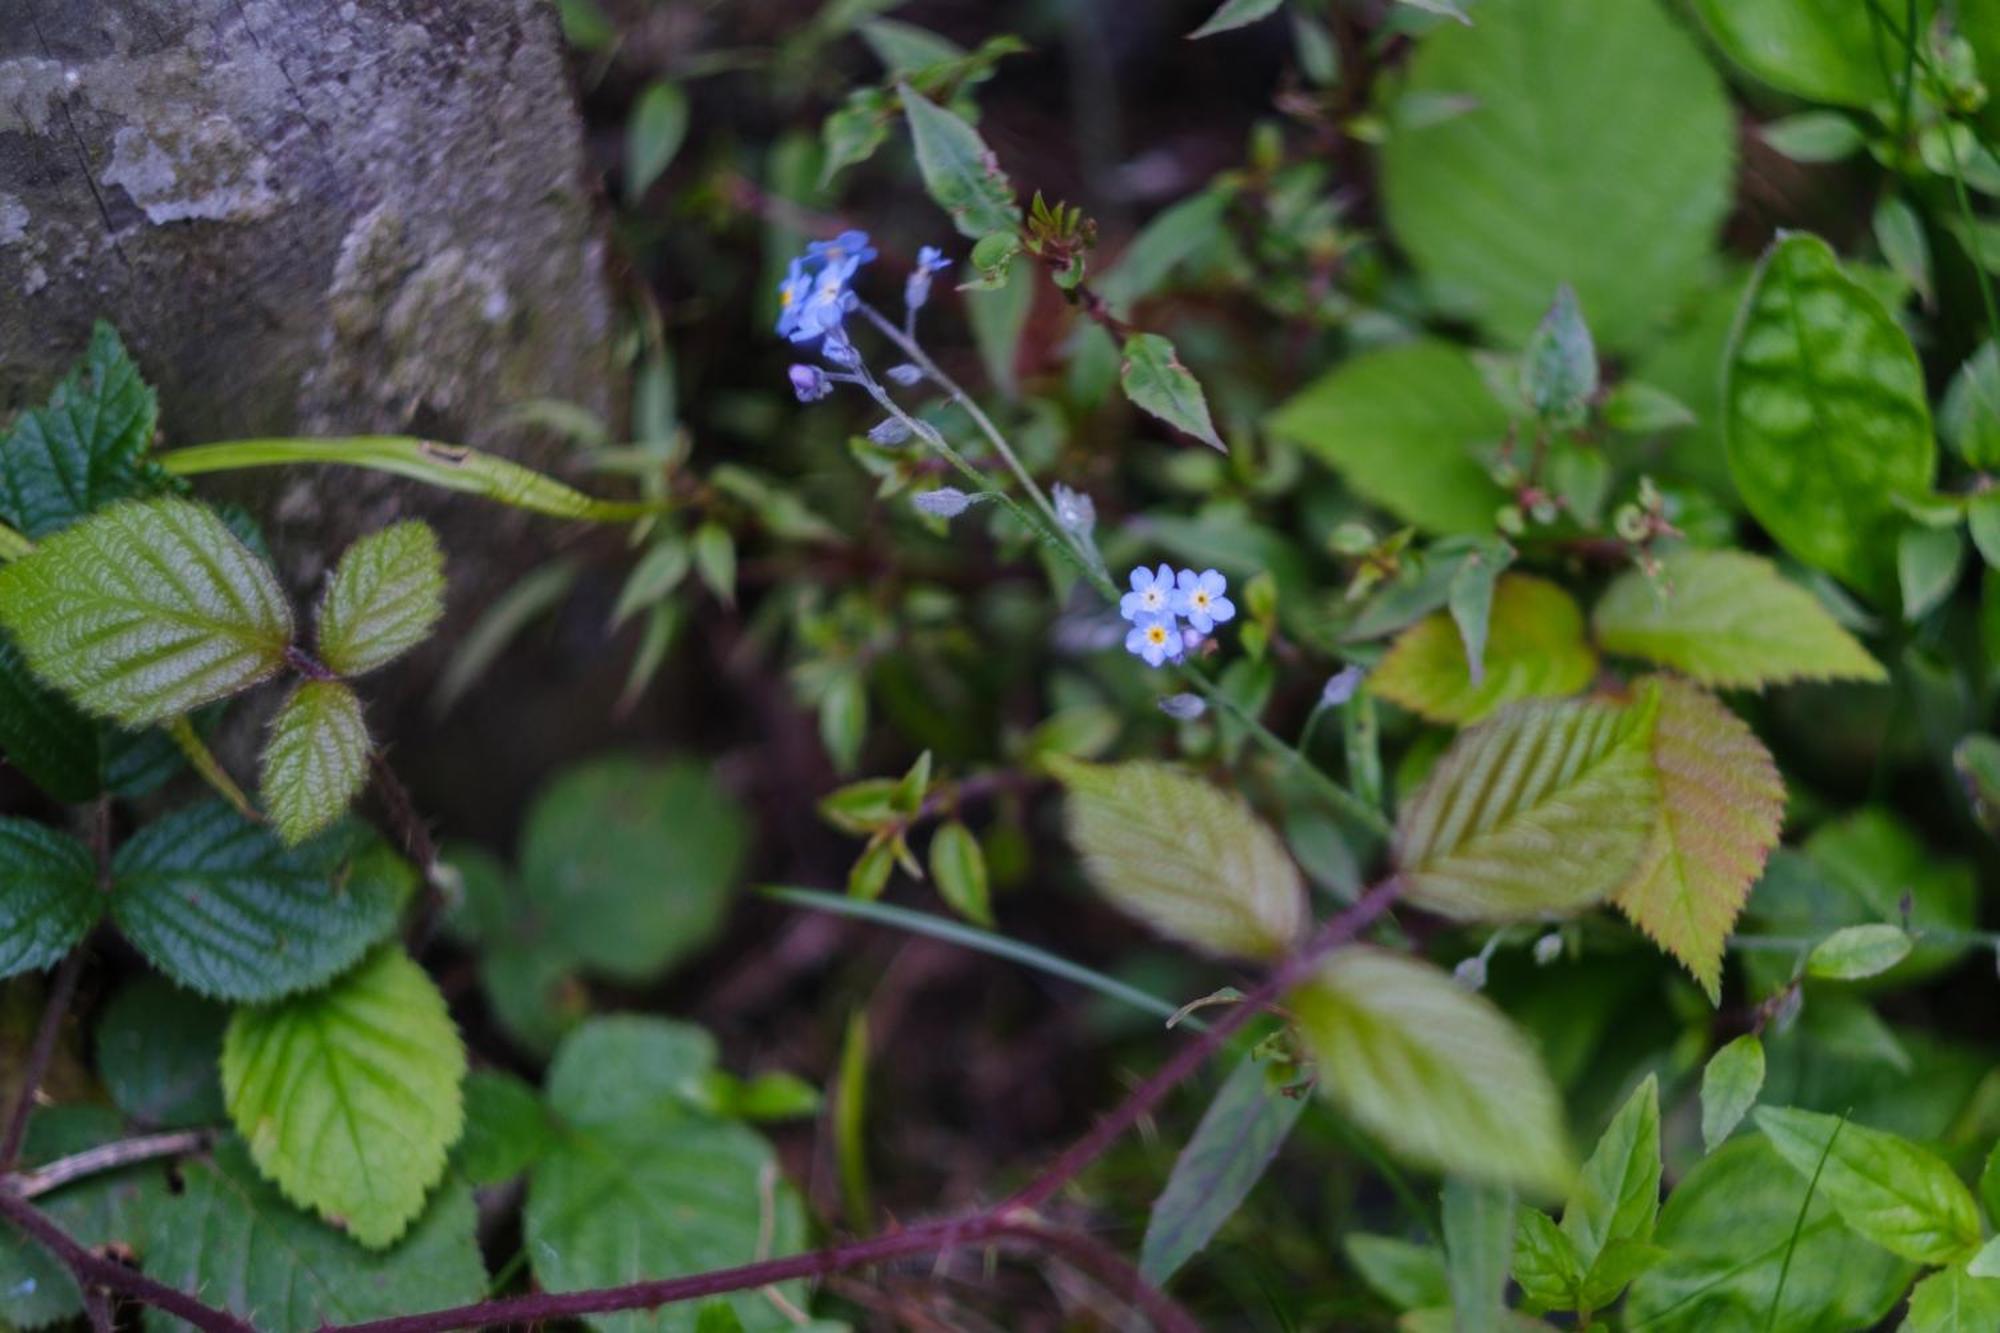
<point>1616,1267</point>
<point>1152,376</point>
<point>1969,419</point>
<point>506,1128</point>
<point>1821,50</point>
<point>86,449</point>
<point>145,611</point>
<point>222,907</point>
<point>1237,1138</point>
<point>1498,208</point>
<point>49,897</point>
<point>632,863</point>
<point>1883,1186</point>
<point>1825,413</point>
<point>384,598</point>
<point>1728,619</point>
<point>1617,1194</point>
<point>1559,365</point>
<point>958,868</point>
<point>1478,1249</point>
<point>229,1235</point>
<point>1814,136</point>
<point>42,735</point>
<point>1546,1263</point>
<point>1722,805</point>
<point>1534,649</point>
<point>315,760</point>
<point>1728,1226</point>
<point>349,1097</point>
<point>1235,14</point>
<point>1853,953</point>
<point>1407,1275</point>
<point>1545,807</point>
<point>1400,425</point>
<point>1871,861</point>
<point>1953,1301</point>
<point>1433,1070</point>
<point>629,1066</point>
<point>102,1211</point>
<point>959,170</point>
<point>653,135</point>
<point>1729,1087</point>
<point>1188,858</point>
<point>158,1048</point>
<point>1927,565</point>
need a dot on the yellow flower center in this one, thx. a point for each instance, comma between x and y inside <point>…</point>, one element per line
<point>1201,600</point>
<point>1156,634</point>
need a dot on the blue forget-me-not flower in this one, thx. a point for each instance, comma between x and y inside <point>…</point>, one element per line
<point>814,296</point>
<point>1152,594</point>
<point>917,287</point>
<point>1200,598</point>
<point>1158,600</point>
<point>1155,638</point>
<point>810,383</point>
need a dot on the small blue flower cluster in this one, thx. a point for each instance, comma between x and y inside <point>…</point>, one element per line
<point>815,297</point>
<point>1160,599</point>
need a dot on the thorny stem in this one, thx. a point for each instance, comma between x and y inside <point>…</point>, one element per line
<point>105,1157</point>
<point>39,1055</point>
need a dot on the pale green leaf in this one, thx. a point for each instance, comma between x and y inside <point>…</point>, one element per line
<point>959,170</point>
<point>1814,136</point>
<point>145,611</point>
<point>1729,1087</point>
<point>627,1066</point>
<point>1617,1194</point>
<point>315,759</point>
<point>1546,1263</point>
<point>1545,807</point>
<point>1722,806</point>
<point>1826,414</point>
<point>1900,233</point>
<point>1433,1070</point>
<point>1886,1188</point>
<point>1953,1301</point>
<point>1969,419</point>
<point>1821,50</point>
<point>1154,379</point>
<point>1616,1267</point>
<point>1854,953</point>
<point>349,1097</point>
<point>1728,619</point>
<point>1407,1275</point>
<point>1639,408</point>
<point>1235,14</point>
<point>1188,858</point>
<point>50,898</point>
<point>958,868</point>
<point>384,598</point>
<point>86,449</point>
<point>904,48</point>
<point>1478,1250</point>
<point>1534,649</point>
<point>654,134</point>
<point>1927,565</point>
<point>158,1048</point>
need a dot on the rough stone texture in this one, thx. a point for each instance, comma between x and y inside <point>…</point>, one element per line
<point>308,217</point>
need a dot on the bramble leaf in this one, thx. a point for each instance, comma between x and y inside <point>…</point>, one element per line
<point>158,1048</point>
<point>1888,1189</point>
<point>349,1097</point>
<point>959,170</point>
<point>48,895</point>
<point>384,598</point>
<point>315,760</point>
<point>1534,649</point>
<point>1153,377</point>
<point>103,1212</point>
<point>1729,1087</point>
<point>84,450</point>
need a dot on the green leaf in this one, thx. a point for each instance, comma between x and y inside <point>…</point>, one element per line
<point>653,135</point>
<point>959,170</point>
<point>1408,1276</point>
<point>999,315</point>
<point>1927,565</point>
<point>145,611</point>
<point>1639,408</point>
<point>1814,136</point>
<point>1728,619</point>
<point>1982,520</point>
<point>1900,234</point>
<point>1722,806</point>
<point>1186,857</point>
<point>628,1066</point>
<point>1434,1071</point>
<point>1546,1263</point>
<point>1976,760</point>
<point>1546,807</point>
<point>1825,413</point>
<point>50,900</point>
<point>632,863</point>
<point>1400,425</point>
<point>1235,14</point>
<point>1853,953</point>
<point>42,735</point>
<point>1598,150</point>
<point>1732,1226</point>
<point>904,48</point>
<point>101,1212</point>
<point>384,598</point>
<point>958,868</point>
<point>1186,230</point>
<point>1969,420</point>
<point>506,1129</point>
<point>1729,1087</point>
<point>86,449</point>
<point>1953,1301</point>
<point>316,759</point>
<point>852,133</point>
<point>1821,50</point>
<point>1534,649</point>
<point>1986,1263</point>
<point>1617,1194</point>
<point>225,909</point>
<point>715,560</point>
<point>232,1237</point>
<point>1621,1262</point>
<point>349,1097</point>
<point>1239,1135</point>
<point>1883,1186</point>
<point>158,1048</point>
<point>1478,1249</point>
<point>1559,366</point>
<point>1870,861</point>
<point>1155,380</point>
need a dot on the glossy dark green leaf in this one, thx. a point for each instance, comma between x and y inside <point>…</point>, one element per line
<point>49,897</point>
<point>86,449</point>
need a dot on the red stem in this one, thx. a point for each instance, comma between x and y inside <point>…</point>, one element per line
<point>39,1056</point>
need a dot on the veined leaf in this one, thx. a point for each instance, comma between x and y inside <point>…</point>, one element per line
<point>1191,860</point>
<point>86,449</point>
<point>1953,1301</point>
<point>316,759</point>
<point>1617,1194</point>
<point>1731,620</point>
<point>1535,649</point>
<point>1826,415</point>
<point>959,170</point>
<point>627,1066</point>
<point>1888,1189</point>
<point>385,596</point>
<point>1722,805</point>
<point>1155,380</point>
<point>1729,1087</point>
<point>1854,953</point>
<point>1433,1070</point>
<point>1546,807</point>
<point>349,1096</point>
<point>1478,1250</point>
<point>48,895</point>
<point>1546,1263</point>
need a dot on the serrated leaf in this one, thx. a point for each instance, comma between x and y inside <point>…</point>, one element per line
<point>1953,1301</point>
<point>1617,1194</point>
<point>1239,1134</point>
<point>1888,1189</point>
<point>1235,14</point>
<point>49,897</point>
<point>1186,857</point>
<point>1969,418</point>
<point>958,868</point>
<point>1559,364</point>
<point>1152,376</point>
<point>1407,1275</point>
<point>101,1212</point>
<point>158,1051</point>
<point>222,907</point>
<point>229,1235</point>
<point>1728,619</point>
<point>349,1097</point>
<point>145,611</point>
<point>1722,805</point>
<point>959,170</point>
<point>315,759</point>
<point>384,598</point>
<point>1729,1087</point>
<point>628,1066</point>
<point>1535,648</point>
<point>1825,412</point>
<point>1478,1248</point>
<point>86,449</point>
<point>1433,1070</point>
<point>1546,1263</point>
<point>1545,807</point>
<point>1821,50</point>
<point>1854,953</point>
